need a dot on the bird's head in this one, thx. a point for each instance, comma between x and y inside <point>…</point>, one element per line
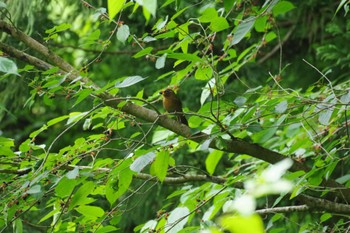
<point>167,93</point>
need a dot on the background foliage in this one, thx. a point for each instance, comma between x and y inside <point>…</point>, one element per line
<point>264,80</point>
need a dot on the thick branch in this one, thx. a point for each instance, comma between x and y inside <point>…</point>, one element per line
<point>234,145</point>
<point>13,52</point>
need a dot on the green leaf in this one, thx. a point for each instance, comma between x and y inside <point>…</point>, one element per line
<point>129,81</point>
<point>204,73</point>
<point>90,211</point>
<point>343,179</point>
<point>143,52</point>
<point>185,56</point>
<point>106,229</point>
<point>260,24</point>
<point>123,33</point>
<point>282,7</point>
<point>82,95</point>
<point>81,194</point>
<point>62,27</point>
<point>242,29</point>
<point>325,217</point>
<point>7,66</point>
<point>17,226</point>
<point>160,165</point>
<point>220,143</point>
<point>76,116</point>
<point>50,214</point>
<point>212,161</point>
<point>208,15</point>
<point>119,181</point>
<point>6,142</point>
<point>218,24</point>
<point>242,224</point>
<point>65,187</point>
<point>114,7</point>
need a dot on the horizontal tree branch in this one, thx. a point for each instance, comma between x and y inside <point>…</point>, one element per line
<point>285,209</point>
<point>311,203</point>
<point>234,145</point>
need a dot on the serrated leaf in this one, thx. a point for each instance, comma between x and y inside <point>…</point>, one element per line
<point>242,29</point>
<point>114,7</point>
<point>129,81</point>
<point>7,66</point>
<point>123,33</point>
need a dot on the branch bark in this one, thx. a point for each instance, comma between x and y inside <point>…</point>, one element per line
<point>234,145</point>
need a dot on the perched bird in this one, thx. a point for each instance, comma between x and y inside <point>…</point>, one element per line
<point>172,104</point>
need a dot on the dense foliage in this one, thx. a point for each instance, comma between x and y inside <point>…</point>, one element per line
<point>86,146</point>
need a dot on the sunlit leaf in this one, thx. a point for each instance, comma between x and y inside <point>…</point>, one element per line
<point>218,24</point>
<point>129,81</point>
<point>114,7</point>
<point>142,161</point>
<point>242,224</point>
<point>160,62</point>
<point>7,66</point>
<point>177,219</point>
<point>123,33</point>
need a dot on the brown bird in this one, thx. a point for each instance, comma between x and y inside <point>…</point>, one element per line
<point>172,104</point>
